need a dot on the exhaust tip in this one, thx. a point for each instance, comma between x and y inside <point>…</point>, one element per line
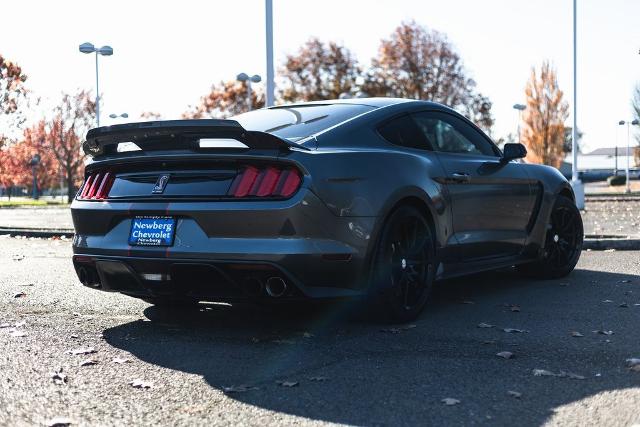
<point>252,286</point>
<point>276,287</point>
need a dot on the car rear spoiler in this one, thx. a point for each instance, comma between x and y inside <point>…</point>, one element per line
<point>178,134</point>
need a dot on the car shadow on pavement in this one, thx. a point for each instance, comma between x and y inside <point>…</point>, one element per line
<point>346,369</point>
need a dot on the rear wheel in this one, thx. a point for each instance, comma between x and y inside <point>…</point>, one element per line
<point>563,243</point>
<point>403,270</point>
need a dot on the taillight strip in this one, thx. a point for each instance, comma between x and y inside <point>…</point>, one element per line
<point>94,186</point>
<point>265,182</point>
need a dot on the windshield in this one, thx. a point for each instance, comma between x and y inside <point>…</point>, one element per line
<point>299,122</point>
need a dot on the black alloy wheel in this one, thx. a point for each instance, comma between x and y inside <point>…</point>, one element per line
<point>403,267</point>
<point>563,242</point>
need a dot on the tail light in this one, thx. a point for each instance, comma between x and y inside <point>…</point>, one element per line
<point>270,181</point>
<point>96,186</point>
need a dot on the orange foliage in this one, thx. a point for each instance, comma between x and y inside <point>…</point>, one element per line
<point>544,117</point>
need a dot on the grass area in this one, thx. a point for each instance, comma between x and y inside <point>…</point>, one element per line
<point>19,203</point>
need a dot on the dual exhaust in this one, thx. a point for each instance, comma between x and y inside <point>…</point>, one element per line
<point>275,287</point>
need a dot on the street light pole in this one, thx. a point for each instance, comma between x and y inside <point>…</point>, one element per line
<point>270,86</point>
<point>576,184</point>
<point>105,51</point>
<point>244,77</point>
<point>520,109</point>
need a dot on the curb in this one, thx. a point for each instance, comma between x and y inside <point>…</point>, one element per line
<point>36,232</point>
<point>615,244</point>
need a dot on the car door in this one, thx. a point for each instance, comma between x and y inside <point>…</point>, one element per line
<point>491,200</point>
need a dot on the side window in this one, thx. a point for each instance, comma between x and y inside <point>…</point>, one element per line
<point>447,133</point>
<point>403,131</point>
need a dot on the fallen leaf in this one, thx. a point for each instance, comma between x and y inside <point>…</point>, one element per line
<point>576,334</point>
<point>505,355</point>
<point>238,388</point>
<point>633,361</point>
<point>515,308</point>
<point>74,336</point>
<point>542,373</point>
<point>283,341</point>
<point>571,375</point>
<point>603,332</point>
<point>485,325</point>
<point>140,384</point>
<point>20,295</point>
<point>607,301</point>
<point>89,362</point>
<point>450,401</point>
<point>515,394</point>
<point>514,331</point>
<point>88,350</point>
<point>625,281</point>
<point>58,377</point>
<point>624,305</point>
<point>288,383</point>
<point>59,422</point>
<point>120,360</point>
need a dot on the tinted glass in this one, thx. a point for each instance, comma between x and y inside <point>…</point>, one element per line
<point>449,134</point>
<point>403,131</point>
<point>296,123</point>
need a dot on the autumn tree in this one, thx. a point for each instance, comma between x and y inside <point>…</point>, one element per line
<point>544,117</point>
<point>225,99</point>
<point>12,95</point>
<point>73,117</point>
<point>319,71</point>
<point>15,169</point>
<point>418,63</point>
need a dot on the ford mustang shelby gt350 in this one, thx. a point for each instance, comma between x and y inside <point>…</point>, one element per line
<point>373,198</point>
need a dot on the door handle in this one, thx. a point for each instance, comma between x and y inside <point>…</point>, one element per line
<point>460,177</point>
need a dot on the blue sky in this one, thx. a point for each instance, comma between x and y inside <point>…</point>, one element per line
<point>168,53</point>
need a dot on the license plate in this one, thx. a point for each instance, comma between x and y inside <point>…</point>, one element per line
<point>152,230</point>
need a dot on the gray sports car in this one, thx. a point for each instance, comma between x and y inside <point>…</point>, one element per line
<point>373,198</point>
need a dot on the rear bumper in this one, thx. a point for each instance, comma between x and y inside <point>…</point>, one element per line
<point>317,253</point>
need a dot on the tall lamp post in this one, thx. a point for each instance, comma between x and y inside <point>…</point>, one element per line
<point>270,89</point>
<point>104,51</point>
<point>243,77</point>
<point>520,109</point>
<point>576,184</point>
<point>626,168</point>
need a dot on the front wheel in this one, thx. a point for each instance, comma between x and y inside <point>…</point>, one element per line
<point>563,243</point>
<point>403,271</point>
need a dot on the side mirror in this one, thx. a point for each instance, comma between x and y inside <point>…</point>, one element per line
<point>513,151</point>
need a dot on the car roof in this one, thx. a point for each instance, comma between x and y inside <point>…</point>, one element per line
<point>376,102</point>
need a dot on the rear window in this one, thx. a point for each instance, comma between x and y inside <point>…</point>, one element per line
<point>299,122</point>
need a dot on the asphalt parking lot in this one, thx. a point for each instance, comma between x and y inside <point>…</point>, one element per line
<point>315,365</point>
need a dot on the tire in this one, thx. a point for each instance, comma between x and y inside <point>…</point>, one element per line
<point>563,243</point>
<point>402,272</point>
